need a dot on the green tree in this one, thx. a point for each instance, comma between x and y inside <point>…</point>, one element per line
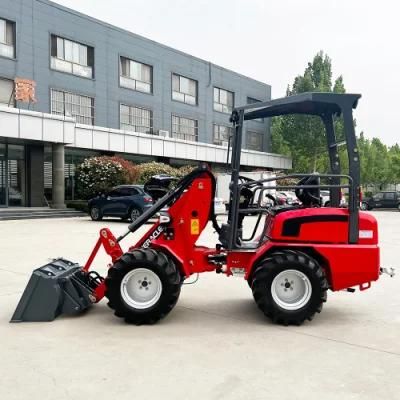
<point>303,137</point>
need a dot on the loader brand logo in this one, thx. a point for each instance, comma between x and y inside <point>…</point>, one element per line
<point>194,226</point>
<point>152,237</point>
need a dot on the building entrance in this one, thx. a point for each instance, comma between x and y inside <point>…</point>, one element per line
<point>12,175</point>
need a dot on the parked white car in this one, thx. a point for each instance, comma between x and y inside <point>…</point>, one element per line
<point>326,198</point>
<point>219,206</point>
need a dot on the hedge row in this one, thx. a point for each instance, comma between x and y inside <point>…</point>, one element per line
<point>100,174</point>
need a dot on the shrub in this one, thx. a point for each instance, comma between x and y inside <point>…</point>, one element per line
<point>147,170</point>
<point>99,174</point>
<point>182,171</point>
<point>131,171</point>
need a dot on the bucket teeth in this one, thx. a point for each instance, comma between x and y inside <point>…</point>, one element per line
<point>56,288</point>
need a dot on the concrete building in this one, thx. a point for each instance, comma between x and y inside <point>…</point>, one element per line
<point>103,90</point>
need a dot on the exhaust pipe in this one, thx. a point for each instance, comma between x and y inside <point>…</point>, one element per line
<point>60,287</point>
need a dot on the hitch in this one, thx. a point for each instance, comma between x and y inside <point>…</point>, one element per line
<point>387,271</point>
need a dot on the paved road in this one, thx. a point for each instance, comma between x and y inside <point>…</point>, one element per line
<point>214,345</point>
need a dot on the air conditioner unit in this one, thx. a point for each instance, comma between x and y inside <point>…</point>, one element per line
<point>163,133</point>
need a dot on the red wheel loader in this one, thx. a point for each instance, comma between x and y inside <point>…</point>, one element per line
<point>292,257</point>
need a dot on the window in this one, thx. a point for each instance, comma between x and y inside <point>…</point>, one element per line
<point>250,100</point>
<point>133,192</point>
<point>222,134</point>
<point>7,38</point>
<point>135,75</point>
<point>389,196</point>
<point>136,119</point>
<point>184,89</point>
<point>118,192</point>
<point>184,128</point>
<point>128,191</point>
<point>7,92</point>
<point>223,100</point>
<point>71,57</point>
<point>254,141</point>
<point>73,105</point>
<point>378,196</point>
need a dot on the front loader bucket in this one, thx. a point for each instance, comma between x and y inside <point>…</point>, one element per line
<point>56,288</point>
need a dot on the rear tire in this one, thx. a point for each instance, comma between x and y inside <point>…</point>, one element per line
<point>95,213</point>
<point>364,206</point>
<point>289,287</point>
<point>143,286</point>
<point>134,214</point>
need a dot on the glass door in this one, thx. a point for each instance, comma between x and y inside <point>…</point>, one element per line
<point>3,176</point>
<point>16,175</point>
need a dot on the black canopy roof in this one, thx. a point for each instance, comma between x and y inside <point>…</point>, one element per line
<point>314,103</point>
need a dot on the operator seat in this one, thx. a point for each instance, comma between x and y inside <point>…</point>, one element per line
<point>310,197</point>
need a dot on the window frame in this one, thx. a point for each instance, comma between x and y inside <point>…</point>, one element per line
<point>14,102</point>
<point>196,136</point>
<point>92,97</point>
<point>88,56</point>
<point>141,108</point>
<point>14,38</point>
<point>122,56</point>
<point>219,142</point>
<point>196,103</point>
<point>222,104</point>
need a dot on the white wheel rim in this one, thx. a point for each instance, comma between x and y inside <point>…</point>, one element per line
<point>141,288</point>
<point>135,214</point>
<point>291,289</point>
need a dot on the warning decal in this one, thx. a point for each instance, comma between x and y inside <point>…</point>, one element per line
<point>194,227</point>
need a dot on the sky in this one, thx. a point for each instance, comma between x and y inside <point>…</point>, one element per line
<point>273,40</point>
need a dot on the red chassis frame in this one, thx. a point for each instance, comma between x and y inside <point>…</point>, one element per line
<point>321,232</point>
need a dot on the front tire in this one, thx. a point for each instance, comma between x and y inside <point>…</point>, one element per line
<point>95,213</point>
<point>289,287</point>
<point>143,286</point>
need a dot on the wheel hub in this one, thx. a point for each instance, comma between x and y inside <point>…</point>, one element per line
<point>141,288</point>
<point>135,214</point>
<point>291,289</point>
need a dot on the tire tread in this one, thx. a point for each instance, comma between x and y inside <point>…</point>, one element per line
<point>270,267</point>
<point>160,264</point>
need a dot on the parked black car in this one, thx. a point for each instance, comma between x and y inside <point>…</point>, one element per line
<point>382,200</point>
<point>125,201</point>
<point>159,185</point>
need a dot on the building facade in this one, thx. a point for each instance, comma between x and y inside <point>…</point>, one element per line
<point>102,76</point>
